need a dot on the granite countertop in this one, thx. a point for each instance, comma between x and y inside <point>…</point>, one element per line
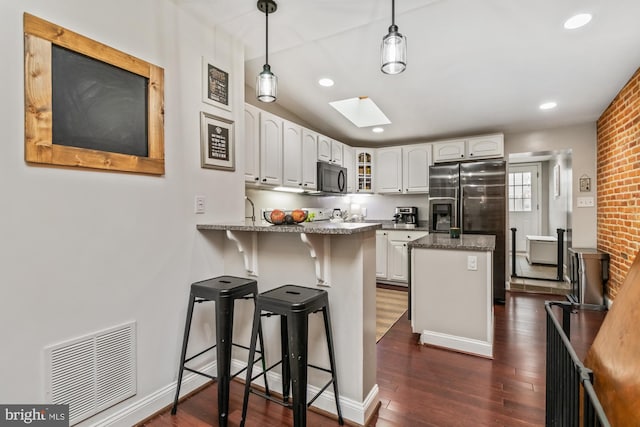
<point>315,227</point>
<point>466,242</point>
<point>391,225</point>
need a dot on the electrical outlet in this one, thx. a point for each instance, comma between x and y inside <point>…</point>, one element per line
<point>472,262</point>
<point>200,204</point>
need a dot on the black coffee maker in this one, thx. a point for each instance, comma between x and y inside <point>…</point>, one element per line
<point>406,215</point>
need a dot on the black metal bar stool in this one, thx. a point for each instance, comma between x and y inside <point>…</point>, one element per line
<point>223,290</point>
<point>294,304</point>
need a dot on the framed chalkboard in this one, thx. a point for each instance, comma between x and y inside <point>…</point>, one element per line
<point>216,85</point>
<point>89,105</point>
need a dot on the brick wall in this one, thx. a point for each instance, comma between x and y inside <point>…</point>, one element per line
<point>618,176</point>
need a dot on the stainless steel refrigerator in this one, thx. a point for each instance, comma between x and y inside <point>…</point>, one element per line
<point>472,196</point>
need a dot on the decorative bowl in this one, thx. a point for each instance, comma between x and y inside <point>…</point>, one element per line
<point>285,217</point>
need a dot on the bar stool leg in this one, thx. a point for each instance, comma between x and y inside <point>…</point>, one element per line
<point>264,364</point>
<point>183,354</point>
<point>284,351</point>
<point>224,331</point>
<point>332,360</point>
<point>298,327</point>
<point>252,352</point>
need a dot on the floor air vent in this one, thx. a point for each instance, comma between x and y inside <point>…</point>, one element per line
<point>93,372</point>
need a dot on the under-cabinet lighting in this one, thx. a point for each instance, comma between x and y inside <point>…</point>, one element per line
<point>548,105</point>
<point>289,189</point>
<point>577,21</point>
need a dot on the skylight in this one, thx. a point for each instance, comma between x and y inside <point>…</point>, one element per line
<point>361,111</point>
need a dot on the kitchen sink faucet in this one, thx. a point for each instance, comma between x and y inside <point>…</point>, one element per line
<point>253,210</point>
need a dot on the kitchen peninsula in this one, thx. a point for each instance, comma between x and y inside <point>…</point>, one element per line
<point>451,287</point>
<point>337,257</point>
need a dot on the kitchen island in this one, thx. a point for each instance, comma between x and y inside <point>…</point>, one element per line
<point>451,287</point>
<point>337,257</point>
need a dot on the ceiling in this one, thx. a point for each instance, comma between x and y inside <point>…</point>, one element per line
<point>473,66</point>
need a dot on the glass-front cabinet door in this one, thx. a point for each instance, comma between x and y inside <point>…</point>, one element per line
<point>364,171</point>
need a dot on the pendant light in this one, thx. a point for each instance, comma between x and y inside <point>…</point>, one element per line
<point>267,82</point>
<point>393,53</point>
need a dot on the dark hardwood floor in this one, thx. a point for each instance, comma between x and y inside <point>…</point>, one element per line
<point>426,386</point>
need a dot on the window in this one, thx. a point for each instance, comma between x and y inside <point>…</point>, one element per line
<point>520,192</point>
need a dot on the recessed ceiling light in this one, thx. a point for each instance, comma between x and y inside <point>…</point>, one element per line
<point>577,21</point>
<point>361,111</point>
<point>326,82</point>
<point>548,105</point>
<point>377,130</point>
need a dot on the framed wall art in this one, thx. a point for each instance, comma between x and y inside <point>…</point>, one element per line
<point>88,105</point>
<point>216,85</point>
<point>217,145</point>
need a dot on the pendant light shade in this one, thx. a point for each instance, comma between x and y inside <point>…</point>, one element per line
<point>393,53</point>
<point>266,85</point>
<point>267,82</point>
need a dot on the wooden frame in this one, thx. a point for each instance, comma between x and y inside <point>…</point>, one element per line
<point>216,85</point>
<point>217,145</point>
<point>39,147</point>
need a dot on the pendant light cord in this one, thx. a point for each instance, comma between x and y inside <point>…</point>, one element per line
<point>267,35</point>
<point>393,12</point>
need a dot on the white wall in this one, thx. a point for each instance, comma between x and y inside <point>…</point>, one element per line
<point>85,250</point>
<point>581,140</point>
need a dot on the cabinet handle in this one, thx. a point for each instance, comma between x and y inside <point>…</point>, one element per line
<point>400,189</point>
<point>264,179</point>
<point>299,183</point>
<point>461,155</point>
<point>470,154</point>
<point>257,178</point>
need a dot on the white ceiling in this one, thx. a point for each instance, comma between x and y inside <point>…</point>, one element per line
<point>474,66</point>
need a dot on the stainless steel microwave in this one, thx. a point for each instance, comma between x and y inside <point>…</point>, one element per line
<point>331,178</point>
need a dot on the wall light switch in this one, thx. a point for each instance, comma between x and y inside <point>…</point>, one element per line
<point>586,202</point>
<point>472,262</point>
<point>200,204</point>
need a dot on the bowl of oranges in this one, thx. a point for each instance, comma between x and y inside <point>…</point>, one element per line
<point>285,217</point>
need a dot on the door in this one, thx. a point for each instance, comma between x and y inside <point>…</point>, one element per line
<point>524,202</point>
<point>292,154</point>
<point>397,261</point>
<point>309,159</point>
<point>415,168</point>
<point>381,254</point>
<point>270,149</point>
<point>389,170</point>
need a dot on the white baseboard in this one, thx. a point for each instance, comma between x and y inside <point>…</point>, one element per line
<point>138,410</point>
<point>466,345</point>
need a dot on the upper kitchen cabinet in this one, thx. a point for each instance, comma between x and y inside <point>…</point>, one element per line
<point>251,144</point>
<point>389,170</point>
<point>483,147</point>
<point>364,170</point>
<point>416,160</point>
<point>329,150</point>
<point>480,147</point>
<point>270,149</point>
<point>309,159</point>
<point>336,152</point>
<point>349,162</point>
<point>292,154</point>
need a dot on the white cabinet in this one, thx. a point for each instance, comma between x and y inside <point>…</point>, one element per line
<point>292,154</point>
<point>416,160</point>
<point>329,150</point>
<point>389,170</point>
<point>309,159</point>
<point>446,151</point>
<point>394,257</point>
<point>478,147</point>
<point>251,144</point>
<point>349,162</point>
<point>324,148</point>
<point>486,146</point>
<point>270,149</point>
<point>336,152</point>
<point>364,170</point>
<point>381,254</point>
